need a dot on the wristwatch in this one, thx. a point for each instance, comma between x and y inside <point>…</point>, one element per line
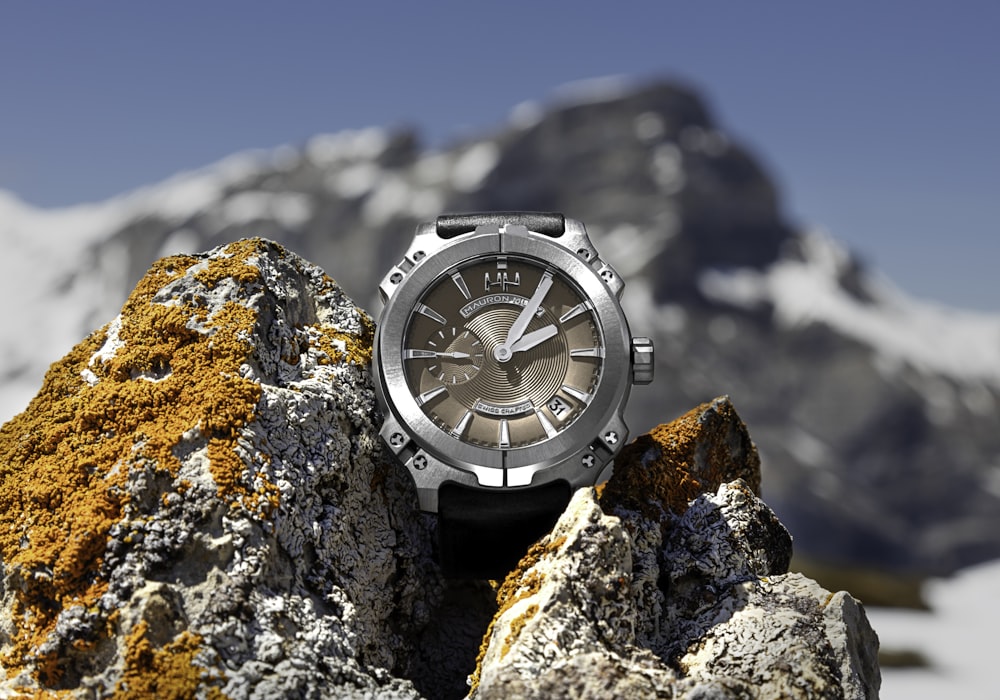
<point>503,364</point>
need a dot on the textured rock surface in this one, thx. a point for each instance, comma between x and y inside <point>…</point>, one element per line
<point>196,501</point>
<point>196,505</point>
<point>667,598</point>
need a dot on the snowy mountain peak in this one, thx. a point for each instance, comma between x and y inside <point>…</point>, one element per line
<point>875,414</point>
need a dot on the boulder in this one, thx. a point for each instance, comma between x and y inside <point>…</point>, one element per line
<point>195,500</point>
<point>197,504</point>
<point>675,584</point>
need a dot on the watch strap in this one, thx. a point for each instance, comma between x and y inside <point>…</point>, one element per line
<point>547,223</point>
<point>482,534</point>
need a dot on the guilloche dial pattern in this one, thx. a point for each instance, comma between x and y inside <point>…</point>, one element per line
<point>503,352</point>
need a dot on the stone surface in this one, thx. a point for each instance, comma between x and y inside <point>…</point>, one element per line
<point>196,500</point>
<point>663,597</point>
<point>196,504</point>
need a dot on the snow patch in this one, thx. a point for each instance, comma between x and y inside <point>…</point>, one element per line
<point>930,338</point>
<point>526,115</point>
<point>327,149</point>
<point>290,209</point>
<point>474,165</point>
<point>389,198</point>
<point>354,180</point>
<point>629,249</point>
<point>180,242</point>
<point>958,638</point>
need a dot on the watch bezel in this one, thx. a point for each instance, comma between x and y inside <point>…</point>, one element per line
<point>533,463</point>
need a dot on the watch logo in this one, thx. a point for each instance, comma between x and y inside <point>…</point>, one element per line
<point>502,280</point>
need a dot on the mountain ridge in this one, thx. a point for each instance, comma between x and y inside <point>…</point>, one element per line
<point>740,302</point>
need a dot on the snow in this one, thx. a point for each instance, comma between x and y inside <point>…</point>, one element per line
<point>630,249</point>
<point>959,638</point>
<point>290,209</point>
<point>365,144</point>
<point>474,165</point>
<point>355,180</point>
<point>930,338</point>
<point>389,198</point>
<point>63,276</point>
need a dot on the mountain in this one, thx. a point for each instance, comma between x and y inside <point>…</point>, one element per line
<point>875,413</point>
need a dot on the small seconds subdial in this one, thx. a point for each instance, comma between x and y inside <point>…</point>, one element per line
<point>454,355</point>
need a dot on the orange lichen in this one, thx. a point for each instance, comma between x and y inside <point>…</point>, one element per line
<point>235,265</point>
<point>523,582</point>
<point>516,625</point>
<point>168,672</point>
<point>65,462</point>
<point>356,349</point>
<point>676,462</point>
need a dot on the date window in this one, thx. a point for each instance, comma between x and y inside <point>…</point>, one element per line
<point>558,407</point>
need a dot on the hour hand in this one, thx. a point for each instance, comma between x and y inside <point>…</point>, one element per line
<point>505,350</point>
<point>521,322</point>
<point>530,340</point>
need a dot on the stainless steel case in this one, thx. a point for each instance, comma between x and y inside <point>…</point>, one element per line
<point>576,455</point>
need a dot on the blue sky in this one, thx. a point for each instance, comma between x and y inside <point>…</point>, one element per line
<point>879,120</point>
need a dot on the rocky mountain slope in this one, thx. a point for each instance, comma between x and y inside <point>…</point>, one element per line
<point>875,414</point>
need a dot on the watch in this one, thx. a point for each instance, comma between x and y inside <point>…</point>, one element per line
<point>503,363</point>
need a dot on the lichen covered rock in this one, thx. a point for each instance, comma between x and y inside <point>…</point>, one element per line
<point>650,595</point>
<point>196,501</point>
<point>196,504</point>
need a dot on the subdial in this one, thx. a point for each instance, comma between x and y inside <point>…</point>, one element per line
<point>457,355</point>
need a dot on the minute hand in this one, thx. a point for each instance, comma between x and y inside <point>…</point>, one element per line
<point>521,323</point>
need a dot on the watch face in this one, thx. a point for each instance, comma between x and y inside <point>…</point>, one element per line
<point>503,351</point>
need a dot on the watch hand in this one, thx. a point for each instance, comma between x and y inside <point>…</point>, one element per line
<point>530,340</point>
<point>503,351</point>
<point>420,354</point>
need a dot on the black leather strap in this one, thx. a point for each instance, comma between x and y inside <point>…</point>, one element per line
<point>547,223</point>
<point>484,533</point>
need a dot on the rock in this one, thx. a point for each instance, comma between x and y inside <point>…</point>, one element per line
<point>196,501</point>
<point>656,596</point>
<point>197,504</point>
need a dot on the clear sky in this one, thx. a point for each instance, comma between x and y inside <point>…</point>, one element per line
<point>879,120</point>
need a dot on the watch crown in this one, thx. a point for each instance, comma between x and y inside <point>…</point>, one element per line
<point>642,360</point>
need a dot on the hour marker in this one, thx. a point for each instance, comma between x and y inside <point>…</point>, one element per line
<point>502,262</point>
<point>418,354</point>
<point>587,352</point>
<point>504,433</point>
<point>430,394</point>
<point>429,313</point>
<point>547,426</point>
<point>581,396</point>
<point>576,311</point>
<point>462,286</point>
<point>462,424</point>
